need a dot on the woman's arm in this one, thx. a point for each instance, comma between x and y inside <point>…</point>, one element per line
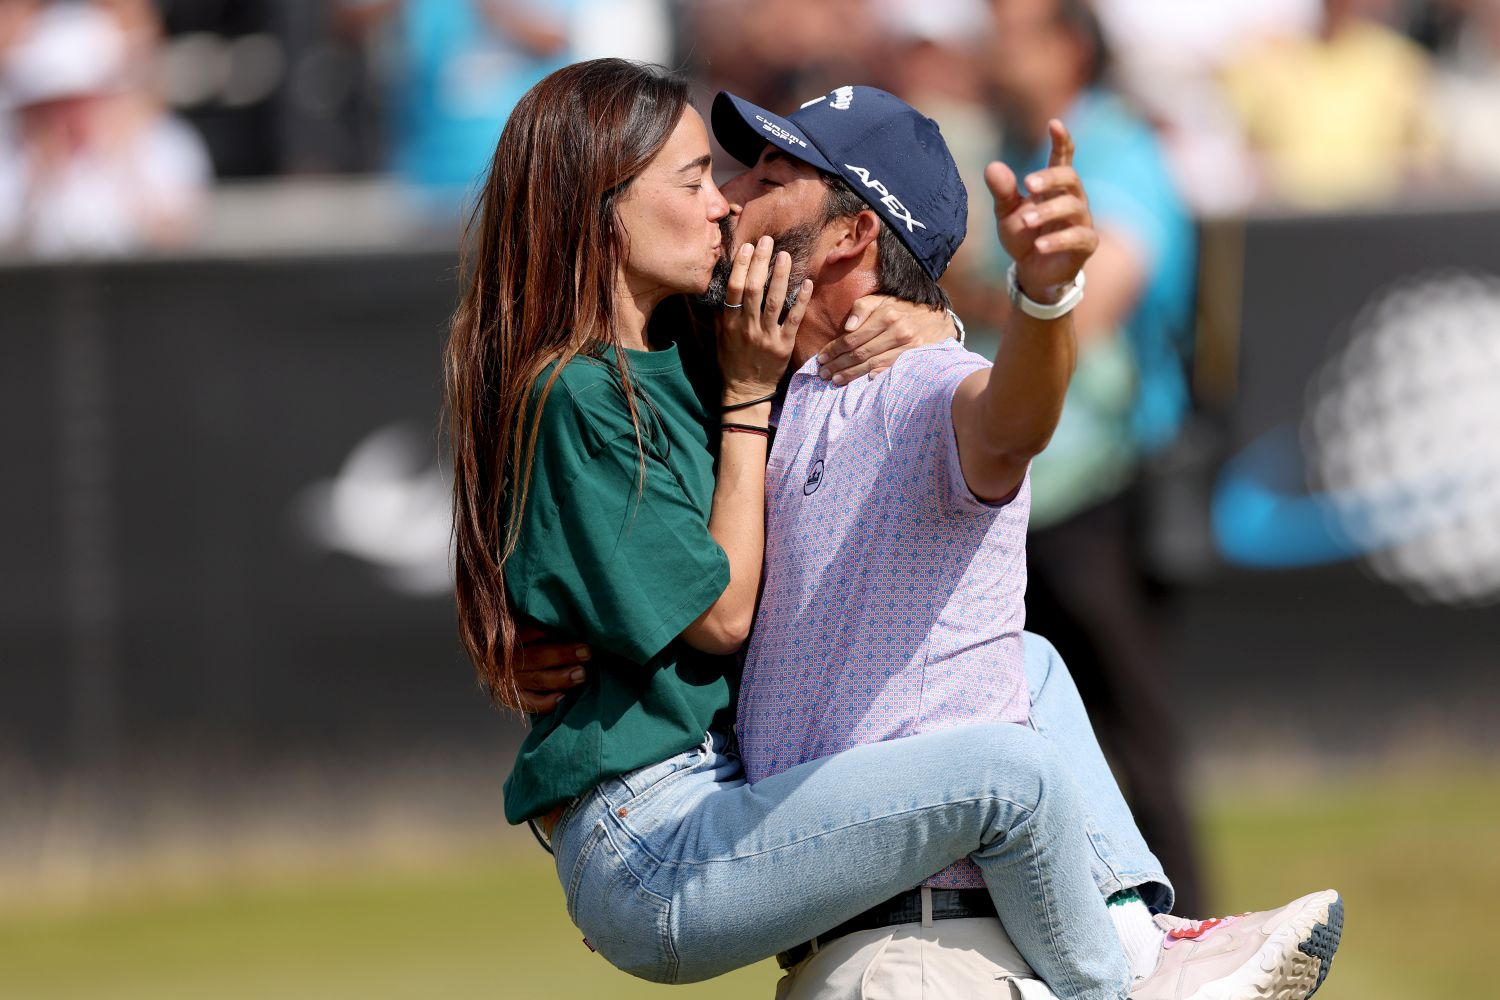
<point>738,525</point>
<point>754,347</point>
<point>880,329</point>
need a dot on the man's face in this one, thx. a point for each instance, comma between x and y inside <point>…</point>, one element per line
<point>777,194</point>
<point>780,197</point>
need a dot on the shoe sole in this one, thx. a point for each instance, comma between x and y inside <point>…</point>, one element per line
<point>1294,961</point>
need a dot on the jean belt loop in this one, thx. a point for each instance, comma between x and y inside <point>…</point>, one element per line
<point>926,906</point>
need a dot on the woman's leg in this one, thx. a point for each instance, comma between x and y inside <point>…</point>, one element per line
<point>1122,859</point>
<point>683,871</point>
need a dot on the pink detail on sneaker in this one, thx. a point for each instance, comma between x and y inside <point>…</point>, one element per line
<point>1198,932</point>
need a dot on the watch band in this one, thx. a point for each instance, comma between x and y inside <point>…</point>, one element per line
<point>1044,310</point>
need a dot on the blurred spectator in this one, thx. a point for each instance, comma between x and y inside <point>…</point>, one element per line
<point>14,16</point>
<point>1466,97</point>
<point>779,53</point>
<point>1340,117</point>
<point>457,67</point>
<point>96,167</point>
<point>1169,55</point>
<point>1088,592</point>
<point>935,62</point>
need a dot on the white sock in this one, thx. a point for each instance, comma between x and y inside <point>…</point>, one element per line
<point>1138,933</point>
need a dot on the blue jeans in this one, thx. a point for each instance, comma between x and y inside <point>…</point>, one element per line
<point>1121,859</point>
<point>681,871</point>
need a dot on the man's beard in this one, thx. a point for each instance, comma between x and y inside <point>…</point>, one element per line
<point>796,240</point>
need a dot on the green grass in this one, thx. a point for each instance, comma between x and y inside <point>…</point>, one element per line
<point>1415,856</point>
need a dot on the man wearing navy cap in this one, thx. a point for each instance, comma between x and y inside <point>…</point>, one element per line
<point>895,574</point>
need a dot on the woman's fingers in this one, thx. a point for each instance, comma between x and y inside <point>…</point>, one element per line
<point>755,277</point>
<point>781,273</point>
<point>876,355</point>
<point>753,347</point>
<point>893,331</point>
<point>734,288</point>
<point>794,317</point>
<point>848,350</point>
<point>863,308</point>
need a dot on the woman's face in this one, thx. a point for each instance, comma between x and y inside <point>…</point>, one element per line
<point>670,216</point>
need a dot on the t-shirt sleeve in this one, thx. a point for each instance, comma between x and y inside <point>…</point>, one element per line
<point>919,413</point>
<point>625,562</point>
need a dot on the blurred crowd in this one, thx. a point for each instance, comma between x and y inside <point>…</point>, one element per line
<point>1296,104</point>
<point>1314,104</point>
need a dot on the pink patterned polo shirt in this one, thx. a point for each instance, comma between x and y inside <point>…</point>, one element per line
<point>894,599</point>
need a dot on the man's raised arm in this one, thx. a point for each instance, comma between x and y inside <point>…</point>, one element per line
<point>1004,416</point>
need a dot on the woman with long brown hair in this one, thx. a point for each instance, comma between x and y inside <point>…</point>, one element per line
<point>586,501</point>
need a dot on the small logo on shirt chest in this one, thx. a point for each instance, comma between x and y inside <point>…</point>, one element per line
<point>814,479</point>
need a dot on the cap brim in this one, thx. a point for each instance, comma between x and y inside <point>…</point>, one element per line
<point>744,129</point>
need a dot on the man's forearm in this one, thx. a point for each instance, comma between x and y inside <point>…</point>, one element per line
<point>1004,416</point>
<point>1023,399</point>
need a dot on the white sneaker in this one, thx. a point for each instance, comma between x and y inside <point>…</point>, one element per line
<point>1271,955</point>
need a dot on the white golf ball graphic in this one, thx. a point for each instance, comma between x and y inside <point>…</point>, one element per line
<point>1403,434</point>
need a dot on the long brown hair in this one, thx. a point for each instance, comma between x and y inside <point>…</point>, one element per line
<point>541,252</point>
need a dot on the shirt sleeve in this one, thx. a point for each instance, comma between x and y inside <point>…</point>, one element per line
<point>626,561</point>
<point>919,413</point>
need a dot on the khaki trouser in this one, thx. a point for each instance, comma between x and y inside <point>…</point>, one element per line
<point>938,960</point>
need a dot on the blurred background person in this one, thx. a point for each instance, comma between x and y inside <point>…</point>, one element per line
<point>14,17</point>
<point>935,61</point>
<point>1339,116</point>
<point>1466,96</point>
<point>1168,57</point>
<point>779,53</point>
<point>1088,590</point>
<point>454,69</point>
<point>97,166</point>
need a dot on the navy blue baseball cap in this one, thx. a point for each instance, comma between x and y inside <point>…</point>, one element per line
<point>887,151</point>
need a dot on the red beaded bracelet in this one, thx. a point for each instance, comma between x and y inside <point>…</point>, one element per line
<point>764,432</point>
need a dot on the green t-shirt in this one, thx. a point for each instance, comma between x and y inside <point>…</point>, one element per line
<point>621,558</point>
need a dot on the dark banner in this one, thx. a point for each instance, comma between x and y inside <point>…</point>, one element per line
<point>224,519</point>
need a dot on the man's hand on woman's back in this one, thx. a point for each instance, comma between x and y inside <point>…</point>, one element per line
<point>550,667</point>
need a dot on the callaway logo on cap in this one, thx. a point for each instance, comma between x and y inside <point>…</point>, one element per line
<point>888,152</point>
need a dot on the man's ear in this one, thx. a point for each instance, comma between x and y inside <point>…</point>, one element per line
<point>855,236</point>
